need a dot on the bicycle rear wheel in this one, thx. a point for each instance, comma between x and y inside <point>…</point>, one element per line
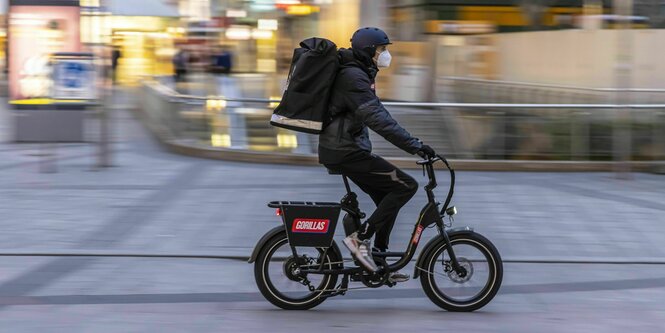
<point>279,279</point>
<point>475,286</point>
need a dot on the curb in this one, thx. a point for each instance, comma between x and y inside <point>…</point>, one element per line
<point>184,147</point>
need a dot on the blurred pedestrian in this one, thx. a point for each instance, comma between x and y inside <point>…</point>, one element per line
<point>221,61</point>
<point>180,64</point>
<point>344,145</point>
<point>225,60</point>
<point>115,57</point>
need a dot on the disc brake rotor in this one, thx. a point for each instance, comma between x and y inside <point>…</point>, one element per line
<point>462,277</point>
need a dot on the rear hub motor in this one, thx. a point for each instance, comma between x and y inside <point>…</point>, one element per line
<point>292,268</point>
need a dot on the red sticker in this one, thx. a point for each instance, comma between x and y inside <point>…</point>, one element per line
<point>416,237</point>
<point>310,226</point>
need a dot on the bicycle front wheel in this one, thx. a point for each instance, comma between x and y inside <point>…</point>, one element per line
<point>476,284</point>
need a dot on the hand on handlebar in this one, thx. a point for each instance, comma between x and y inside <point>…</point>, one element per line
<point>426,152</point>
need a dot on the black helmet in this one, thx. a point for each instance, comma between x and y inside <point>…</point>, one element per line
<point>369,37</point>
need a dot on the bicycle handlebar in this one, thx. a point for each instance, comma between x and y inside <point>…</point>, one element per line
<point>428,160</point>
<point>431,160</point>
<point>428,163</point>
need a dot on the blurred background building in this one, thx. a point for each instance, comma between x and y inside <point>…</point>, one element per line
<point>261,34</point>
<point>492,51</point>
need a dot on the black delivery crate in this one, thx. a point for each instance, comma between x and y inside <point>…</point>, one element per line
<point>309,224</point>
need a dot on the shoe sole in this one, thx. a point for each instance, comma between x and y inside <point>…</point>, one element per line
<point>399,280</point>
<point>359,257</point>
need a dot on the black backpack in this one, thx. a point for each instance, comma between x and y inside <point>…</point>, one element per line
<point>304,105</point>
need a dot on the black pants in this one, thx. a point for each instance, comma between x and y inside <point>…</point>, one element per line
<point>389,187</point>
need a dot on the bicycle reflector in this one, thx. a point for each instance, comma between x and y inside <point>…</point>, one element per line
<point>278,212</point>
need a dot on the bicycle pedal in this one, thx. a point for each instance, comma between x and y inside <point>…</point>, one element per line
<point>397,281</point>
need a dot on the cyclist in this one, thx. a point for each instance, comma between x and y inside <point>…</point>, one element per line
<point>344,145</point>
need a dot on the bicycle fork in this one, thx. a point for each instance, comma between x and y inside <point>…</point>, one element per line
<point>459,270</point>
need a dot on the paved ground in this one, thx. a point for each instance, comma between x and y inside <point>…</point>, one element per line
<point>156,202</point>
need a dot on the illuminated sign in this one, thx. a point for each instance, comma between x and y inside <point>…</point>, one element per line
<point>301,10</point>
<point>459,27</point>
<point>262,5</point>
<point>287,2</point>
<point>44,2</point>
<point>238,32</point>
<point>283,4</point>
<point>267,24</point>
<point>236,13</point>
<point>261,34</point>
<point>73,76</point>
<point>36,32</point>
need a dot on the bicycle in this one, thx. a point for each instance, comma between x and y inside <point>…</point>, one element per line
<point>304,254</point>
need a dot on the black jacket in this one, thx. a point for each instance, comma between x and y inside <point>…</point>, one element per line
<point>354,107</point>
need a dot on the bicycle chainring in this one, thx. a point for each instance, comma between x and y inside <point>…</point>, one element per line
<point>375,280</point>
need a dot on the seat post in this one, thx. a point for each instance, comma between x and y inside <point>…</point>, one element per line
<point>350,203</point>
<point>346,184</point>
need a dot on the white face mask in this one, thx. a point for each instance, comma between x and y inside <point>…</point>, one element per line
<point>384,59</point>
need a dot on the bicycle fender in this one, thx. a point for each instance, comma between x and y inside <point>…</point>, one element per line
<point>435,242</point>
<point>270,234</point>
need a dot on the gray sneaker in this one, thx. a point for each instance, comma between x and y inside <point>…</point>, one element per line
<point>361,250</point>
<point>398,276</point>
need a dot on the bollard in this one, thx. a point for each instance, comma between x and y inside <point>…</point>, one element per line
<point>104,158</point>
<point>48,157</point>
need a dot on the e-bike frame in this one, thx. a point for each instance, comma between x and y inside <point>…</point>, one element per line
<point>428,215</point>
